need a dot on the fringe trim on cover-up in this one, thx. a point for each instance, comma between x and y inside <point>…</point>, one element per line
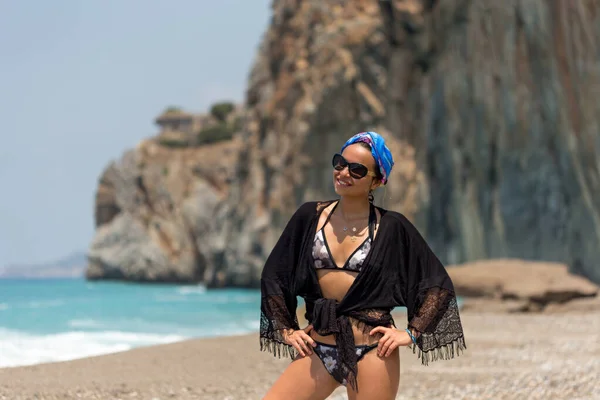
<point>445,352</point>
<point>278,349</point>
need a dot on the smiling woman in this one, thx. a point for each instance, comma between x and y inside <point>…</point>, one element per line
<point>352,263</point>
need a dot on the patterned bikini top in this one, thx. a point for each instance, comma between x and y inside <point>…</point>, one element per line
<point>323,259</point>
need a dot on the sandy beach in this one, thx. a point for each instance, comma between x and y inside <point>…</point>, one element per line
<point>509,356</point>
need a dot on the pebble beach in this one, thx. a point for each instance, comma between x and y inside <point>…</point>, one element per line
<point>510,356</point>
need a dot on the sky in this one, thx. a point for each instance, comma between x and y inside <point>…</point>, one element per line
<point>81,82</point>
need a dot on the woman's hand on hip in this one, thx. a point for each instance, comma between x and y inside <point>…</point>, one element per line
<point>392,339</point>
<point>300,340</point>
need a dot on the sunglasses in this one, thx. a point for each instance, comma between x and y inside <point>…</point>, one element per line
<point>356,170</point>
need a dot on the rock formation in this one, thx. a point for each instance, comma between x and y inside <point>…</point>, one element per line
<point>521,285</point>
<point>156,207</point>
<point>489,108</point>
<point>498,100</point>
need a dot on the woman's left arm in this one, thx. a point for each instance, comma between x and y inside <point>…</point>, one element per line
<point>433,314</point>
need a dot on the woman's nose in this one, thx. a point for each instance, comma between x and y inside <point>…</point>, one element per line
<point>345,172</point>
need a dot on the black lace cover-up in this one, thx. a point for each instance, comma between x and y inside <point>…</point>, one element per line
<point>400,270</point>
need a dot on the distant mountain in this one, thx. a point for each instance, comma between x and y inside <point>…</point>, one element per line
<point>72,266</point>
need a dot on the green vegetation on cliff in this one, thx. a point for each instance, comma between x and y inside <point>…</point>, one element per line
<point>221,110</point>
<point>215,133</point>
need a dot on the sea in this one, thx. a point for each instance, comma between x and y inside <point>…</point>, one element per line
<point>47,320</point>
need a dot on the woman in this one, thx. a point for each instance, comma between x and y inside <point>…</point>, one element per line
<point>353,263</point>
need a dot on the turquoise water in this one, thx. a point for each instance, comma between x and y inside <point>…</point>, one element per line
<point>62,319</point>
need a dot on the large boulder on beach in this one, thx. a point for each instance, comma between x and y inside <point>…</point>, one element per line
<point>522,285</point>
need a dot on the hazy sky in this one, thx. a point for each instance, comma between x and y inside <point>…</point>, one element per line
<point>82,80</point>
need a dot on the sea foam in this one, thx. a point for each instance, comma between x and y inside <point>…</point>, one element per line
<point>19,348</point>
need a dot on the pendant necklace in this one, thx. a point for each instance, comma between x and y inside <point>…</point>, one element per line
<point>353,236</point>
<point>353,230</point>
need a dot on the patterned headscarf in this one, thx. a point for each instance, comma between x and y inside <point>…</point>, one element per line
<point>381,153</point>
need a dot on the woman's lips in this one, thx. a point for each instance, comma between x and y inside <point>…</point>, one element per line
<point>343,183</point>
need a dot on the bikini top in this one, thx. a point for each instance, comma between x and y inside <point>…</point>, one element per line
<point>323,259</point>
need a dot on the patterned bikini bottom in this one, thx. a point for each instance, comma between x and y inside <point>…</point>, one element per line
<point>328,355</point>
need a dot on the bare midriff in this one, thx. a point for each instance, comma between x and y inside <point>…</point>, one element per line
<point>335,285</point>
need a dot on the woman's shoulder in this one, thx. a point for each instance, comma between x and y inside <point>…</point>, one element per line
<point>311,208</point>
<point>394,217</point>
<point>398,221</point>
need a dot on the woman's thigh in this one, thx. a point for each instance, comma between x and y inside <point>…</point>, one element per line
<point>304,379</point>
<point>378,377</point>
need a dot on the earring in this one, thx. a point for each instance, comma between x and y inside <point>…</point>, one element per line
<point>371,197</point>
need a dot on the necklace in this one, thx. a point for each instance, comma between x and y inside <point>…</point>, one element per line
<point>353,235</point>
<point>353,228</point>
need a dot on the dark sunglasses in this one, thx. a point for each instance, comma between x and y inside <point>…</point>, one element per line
<point>356,170</point>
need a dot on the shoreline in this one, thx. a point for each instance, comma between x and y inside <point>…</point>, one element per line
<point>508,356</point>
<point>300,313</point>
<point>145,346</point>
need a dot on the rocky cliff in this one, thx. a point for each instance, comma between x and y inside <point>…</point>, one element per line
<point>497,98</point>
<point>156,208</point>
<point>489,108</point>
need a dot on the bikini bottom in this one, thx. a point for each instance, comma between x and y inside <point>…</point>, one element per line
<point>328,355</point>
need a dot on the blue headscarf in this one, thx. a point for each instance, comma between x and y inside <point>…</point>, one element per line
<point>381,153</point>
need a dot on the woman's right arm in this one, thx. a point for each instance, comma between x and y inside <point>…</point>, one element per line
<point>279,329</point>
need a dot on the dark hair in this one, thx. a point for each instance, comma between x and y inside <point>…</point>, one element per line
<point>377,171</point>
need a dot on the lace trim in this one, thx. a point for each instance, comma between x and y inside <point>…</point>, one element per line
<point>274,320</point>
<point>366,320</point>
<point>438,322</point>
<point>431,310</point>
